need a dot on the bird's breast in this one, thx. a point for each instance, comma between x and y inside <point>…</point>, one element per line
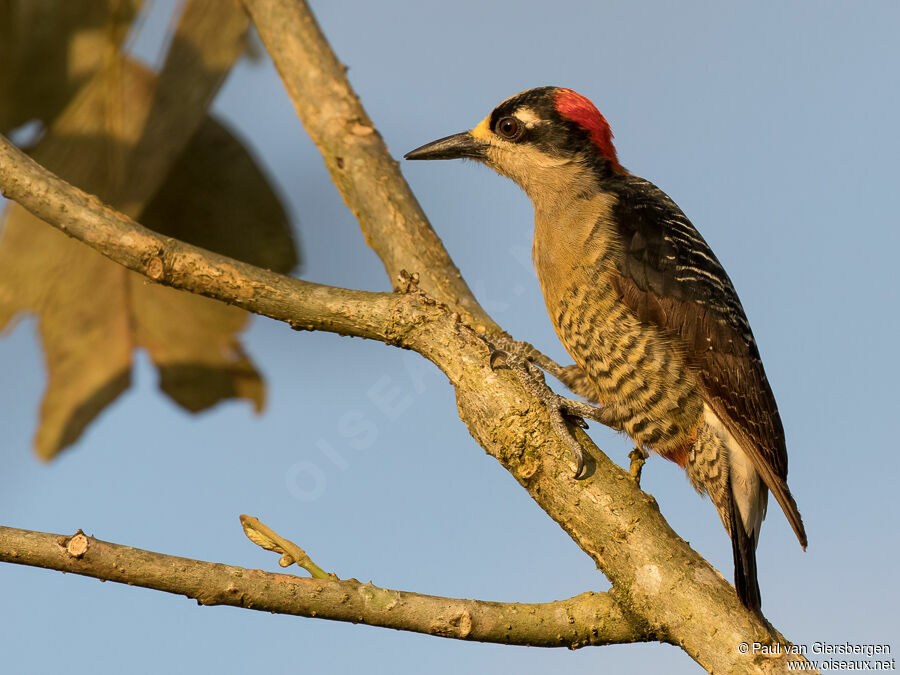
<point>632,364</point>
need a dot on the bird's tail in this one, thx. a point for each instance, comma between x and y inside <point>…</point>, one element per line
<point>743,547</point>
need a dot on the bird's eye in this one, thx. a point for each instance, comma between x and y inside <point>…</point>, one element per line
<point>510,128</point>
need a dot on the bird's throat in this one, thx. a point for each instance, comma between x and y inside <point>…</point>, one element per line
<point>572,241</point>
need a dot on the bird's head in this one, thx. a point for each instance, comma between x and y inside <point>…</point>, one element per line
<point>549,140</point>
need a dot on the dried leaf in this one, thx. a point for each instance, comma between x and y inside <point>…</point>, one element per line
<point>210,36</point>
<point>92,312</point>
<point>82,300</point>
<point>50,48</point>
<point>217,197</point>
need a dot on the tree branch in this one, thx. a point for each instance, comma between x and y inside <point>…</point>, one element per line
<point>366,174</point>
<point>359,162</point>
<point>587,619</point>
<point>304,305</point>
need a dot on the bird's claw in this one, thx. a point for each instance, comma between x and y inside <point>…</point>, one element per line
<point>573,417</point>
<point>559,408</point>
<point>498,359</point>
<point>579,460</point>
<point>560,412</point>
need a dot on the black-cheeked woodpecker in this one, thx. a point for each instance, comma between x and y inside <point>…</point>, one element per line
<point>644,307</point>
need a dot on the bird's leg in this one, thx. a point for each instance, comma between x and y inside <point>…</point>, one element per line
<point>571,376</point>
<point>533,380</point>
<point>528,352</point>
<point>557,406</point>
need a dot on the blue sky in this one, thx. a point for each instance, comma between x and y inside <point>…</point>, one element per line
<point>773,125</point>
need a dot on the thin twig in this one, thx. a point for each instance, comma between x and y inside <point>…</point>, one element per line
<point>262,535</point>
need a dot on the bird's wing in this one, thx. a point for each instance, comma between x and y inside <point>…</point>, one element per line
<point>669,277</point>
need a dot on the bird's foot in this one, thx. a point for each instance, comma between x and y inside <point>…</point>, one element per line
<point>560,408</point>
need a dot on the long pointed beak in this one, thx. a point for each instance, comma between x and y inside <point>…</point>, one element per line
<point>451,147</point>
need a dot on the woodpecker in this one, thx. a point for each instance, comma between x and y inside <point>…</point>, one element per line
<point>644,307</point>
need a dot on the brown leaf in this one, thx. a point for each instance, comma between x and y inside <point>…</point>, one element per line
<point>82,300</point>
<point>93,313</point>
<point>192,340</point>
<point>49,49</point>
<point>210,36</point>
<point>217,197</point>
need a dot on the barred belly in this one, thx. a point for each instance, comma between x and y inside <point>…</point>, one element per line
<point>633,368</point>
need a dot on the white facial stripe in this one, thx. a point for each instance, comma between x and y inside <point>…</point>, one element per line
<point>528,116</point>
